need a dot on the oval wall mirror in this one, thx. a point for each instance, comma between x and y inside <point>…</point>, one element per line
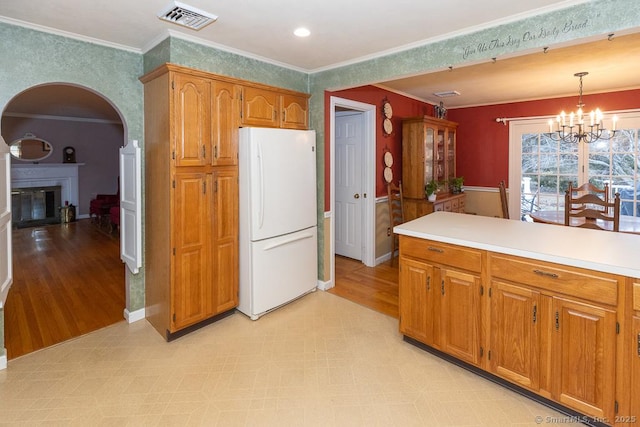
<point>29,148</point>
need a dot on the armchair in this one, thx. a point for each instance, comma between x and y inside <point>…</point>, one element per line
<point>100,206</point>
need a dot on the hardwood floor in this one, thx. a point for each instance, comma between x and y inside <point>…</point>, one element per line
<point>68,280</point>
<point>373,287</point>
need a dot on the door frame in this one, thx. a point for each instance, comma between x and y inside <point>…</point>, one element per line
<point>368,179</point>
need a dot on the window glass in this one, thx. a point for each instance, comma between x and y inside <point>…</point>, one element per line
<point>547,166</point>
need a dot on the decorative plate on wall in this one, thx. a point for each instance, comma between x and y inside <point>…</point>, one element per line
<point>388,159</point>
<point>387,113</point>
<point>388,174</point>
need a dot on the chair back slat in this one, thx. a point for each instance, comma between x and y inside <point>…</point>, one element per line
<point>503,200</point>
<point>590,210</point>
<point>396,213</point>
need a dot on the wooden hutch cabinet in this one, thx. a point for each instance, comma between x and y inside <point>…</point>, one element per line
<point>428,152</point>
<point>191,189</point>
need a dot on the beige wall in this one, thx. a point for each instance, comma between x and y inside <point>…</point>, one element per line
<point>483,201</point>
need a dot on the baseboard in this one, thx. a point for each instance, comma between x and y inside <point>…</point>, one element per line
<point>134,316</point>
<point>572,416</point>
<point>3,360</point>
<point>385,257</point>
<point>325,285</point>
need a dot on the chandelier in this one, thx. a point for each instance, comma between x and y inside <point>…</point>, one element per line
<point>571,128</point>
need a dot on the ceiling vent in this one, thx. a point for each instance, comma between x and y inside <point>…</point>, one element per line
<point>447,94</point>
<point>187,16</point>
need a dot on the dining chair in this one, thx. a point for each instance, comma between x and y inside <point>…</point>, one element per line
<point>503,200</point>
<point>396,213</point>
<point>589,188</point>
<point>595,212</point>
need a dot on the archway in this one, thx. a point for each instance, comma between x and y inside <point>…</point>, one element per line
<point>66,115</point>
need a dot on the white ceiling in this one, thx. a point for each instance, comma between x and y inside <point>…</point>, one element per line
<point>345,32</point>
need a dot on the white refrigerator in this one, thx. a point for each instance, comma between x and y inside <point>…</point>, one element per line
<point>278,219</point>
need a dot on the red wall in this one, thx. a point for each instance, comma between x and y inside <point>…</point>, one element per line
<point>403,107</point>
<point>482,154</point>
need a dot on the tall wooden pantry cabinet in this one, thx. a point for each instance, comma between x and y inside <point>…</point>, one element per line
<point>191,193</point>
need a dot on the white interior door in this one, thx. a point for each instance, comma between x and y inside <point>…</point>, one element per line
<point>348,185</point>
<point>6,276</point>
<point>131,206</point>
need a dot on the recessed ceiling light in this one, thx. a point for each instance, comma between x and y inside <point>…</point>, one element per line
<point>302,32</point>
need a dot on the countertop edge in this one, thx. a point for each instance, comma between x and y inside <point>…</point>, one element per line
<point>433,227</point>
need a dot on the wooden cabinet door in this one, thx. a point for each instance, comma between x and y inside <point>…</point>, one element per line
<point>190,293</point>
<point>191,119</point>
<point>635,370</point>
<point>460,315</point>
<point>416,300</point>
<point>225,240</point>
<point>295,112</point>
<point>417,158</point>
<point>515,334</point>
<point>584,357</point>
<point>259,107</point>
<point>225,124</point>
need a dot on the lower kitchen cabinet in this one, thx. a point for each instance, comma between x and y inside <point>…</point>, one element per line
<point>206,246</point>
<point>460,314</point>
<point>633,349</point>
<point>584,350</point>
<point>225,240</point>
<point>439,297</point>
<point>200,252</point>
<point>191,290</point>
<point>515,333</point>
<point>416,301</point>
<point>635,370</point>
<point>551,329</point>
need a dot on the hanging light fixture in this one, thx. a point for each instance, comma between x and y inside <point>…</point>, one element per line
<point>572,128</point>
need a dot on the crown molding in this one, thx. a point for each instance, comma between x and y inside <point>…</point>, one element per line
<point>67,34</point>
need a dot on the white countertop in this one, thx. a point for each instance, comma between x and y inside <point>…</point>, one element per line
<point>617,253</point>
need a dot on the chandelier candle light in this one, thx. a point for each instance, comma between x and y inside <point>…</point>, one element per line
<point>588,133</point>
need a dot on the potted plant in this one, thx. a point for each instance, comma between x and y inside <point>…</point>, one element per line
<point>430,190</point>
<point>455,184</point>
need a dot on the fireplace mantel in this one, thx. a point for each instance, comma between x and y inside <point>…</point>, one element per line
<point>48,175</point>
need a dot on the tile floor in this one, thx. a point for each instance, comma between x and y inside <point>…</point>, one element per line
<point>319,361</point>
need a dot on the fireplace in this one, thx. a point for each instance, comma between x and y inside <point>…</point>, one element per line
<point>35,206</point>
<point>33,191</point>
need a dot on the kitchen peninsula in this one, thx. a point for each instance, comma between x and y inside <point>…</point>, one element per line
<point>553,310</point>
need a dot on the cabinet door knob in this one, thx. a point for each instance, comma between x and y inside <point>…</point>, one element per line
<point>356,196</point>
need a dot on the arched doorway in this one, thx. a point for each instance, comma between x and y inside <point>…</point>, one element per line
<point>65,275</point>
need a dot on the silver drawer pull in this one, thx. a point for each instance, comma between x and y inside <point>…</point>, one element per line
<point>544,273</point>
<point>434,249</point>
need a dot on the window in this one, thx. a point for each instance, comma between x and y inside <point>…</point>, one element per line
<point>545,167</point>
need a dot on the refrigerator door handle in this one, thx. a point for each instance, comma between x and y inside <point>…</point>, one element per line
<point>288,241</point>
<point>261,178</point>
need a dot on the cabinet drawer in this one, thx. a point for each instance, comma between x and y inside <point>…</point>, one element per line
<point>455,204</point>
<point>441,253</point>
<point>636,296</point>
<point>590,285</point>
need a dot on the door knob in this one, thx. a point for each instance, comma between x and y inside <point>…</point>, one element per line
<point>356,196</point>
